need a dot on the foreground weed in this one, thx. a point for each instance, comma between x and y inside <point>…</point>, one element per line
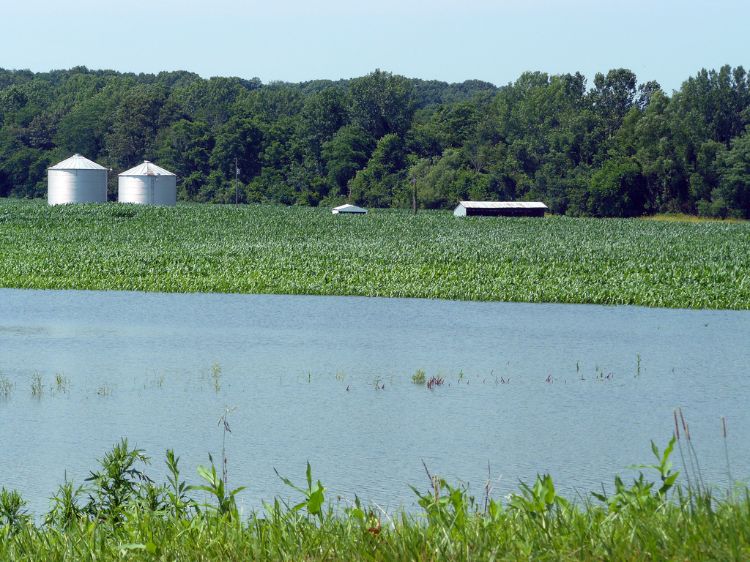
<point>216,486</point>
<point>314,494</point>
<point>118,482</point>
<point>127,516</point>
<point>13,514</point>
<point>67,509</point>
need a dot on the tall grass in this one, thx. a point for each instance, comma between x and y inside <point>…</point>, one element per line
<point>121,514</point>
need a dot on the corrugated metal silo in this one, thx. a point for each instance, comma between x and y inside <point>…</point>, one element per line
<point>147,184</point>
<point>76,180</point>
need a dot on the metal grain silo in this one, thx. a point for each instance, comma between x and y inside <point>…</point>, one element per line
<point>147,184</point>
<point>76,180</point>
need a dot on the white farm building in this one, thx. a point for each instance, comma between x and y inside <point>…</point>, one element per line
<point>349,210</point>
<point>500,209</point>
<point>147,184</point>
<point>76,180</point>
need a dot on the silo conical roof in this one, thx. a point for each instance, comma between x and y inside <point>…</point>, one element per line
<point>77,162</point>
<point>147,169</point>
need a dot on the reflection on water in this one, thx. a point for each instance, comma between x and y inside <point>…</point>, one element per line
<point>577,391</point>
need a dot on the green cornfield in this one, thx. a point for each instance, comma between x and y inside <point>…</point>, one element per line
<point>388,253</point>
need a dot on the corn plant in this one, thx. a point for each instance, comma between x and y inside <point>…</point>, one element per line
<point>268,249</point>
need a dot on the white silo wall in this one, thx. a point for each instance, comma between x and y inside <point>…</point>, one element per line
<point>147,190</point>
<point>76,186</point>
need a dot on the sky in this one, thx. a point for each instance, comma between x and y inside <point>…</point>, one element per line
<point>297,40</point>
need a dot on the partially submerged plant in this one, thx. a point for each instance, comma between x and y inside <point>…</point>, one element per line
<point>435,381</point>
<point>61,383</point>
<point>37,385</point>
<point>216,376</point>
<point>6,386</point>
<point>419,377</point>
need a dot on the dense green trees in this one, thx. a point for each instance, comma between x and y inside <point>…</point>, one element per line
<point>616,148</point>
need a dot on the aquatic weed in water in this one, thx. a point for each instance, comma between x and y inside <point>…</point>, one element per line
<point>216,376</point>
<point>435,381</point>
<point>37,385</point>
<point>6,386</point>
<point>61,383</point>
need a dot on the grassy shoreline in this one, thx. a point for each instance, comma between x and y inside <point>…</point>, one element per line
<point>266,249</point>
<point>120,514</point>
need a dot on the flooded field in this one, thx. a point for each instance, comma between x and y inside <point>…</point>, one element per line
<point>577,391</point>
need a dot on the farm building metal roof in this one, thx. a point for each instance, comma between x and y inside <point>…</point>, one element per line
<point>503,204</point>
<point>77,162</point>
<point>147,169</point>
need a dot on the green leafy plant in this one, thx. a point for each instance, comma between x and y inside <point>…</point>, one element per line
<point>66,509</point>
<point>663,466</point>
<point>13,514</point>
<point>117,481</point>
<point>215,485</point>
<point>314,494</point>
<point>640,494</point>
<point>176,489</point>
<point>539,502</point>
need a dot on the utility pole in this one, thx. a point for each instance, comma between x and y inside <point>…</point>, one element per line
<point>236,183</point>
<point>413,181</point>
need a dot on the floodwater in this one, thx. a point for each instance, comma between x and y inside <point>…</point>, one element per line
<point>576,391</point>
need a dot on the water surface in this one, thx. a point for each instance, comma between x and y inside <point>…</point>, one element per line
<point>577,391</point>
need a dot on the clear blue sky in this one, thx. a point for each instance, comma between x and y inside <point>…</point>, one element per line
<point>296,40</point>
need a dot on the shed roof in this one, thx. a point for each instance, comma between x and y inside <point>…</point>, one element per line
<point>503,204</point>
<point>147,169</point>
<point>348,208</point>
<point>77,162</point>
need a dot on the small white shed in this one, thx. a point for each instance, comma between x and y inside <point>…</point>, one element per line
<point>349,210</point>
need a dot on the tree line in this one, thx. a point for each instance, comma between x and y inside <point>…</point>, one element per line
<point>615,147</point>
